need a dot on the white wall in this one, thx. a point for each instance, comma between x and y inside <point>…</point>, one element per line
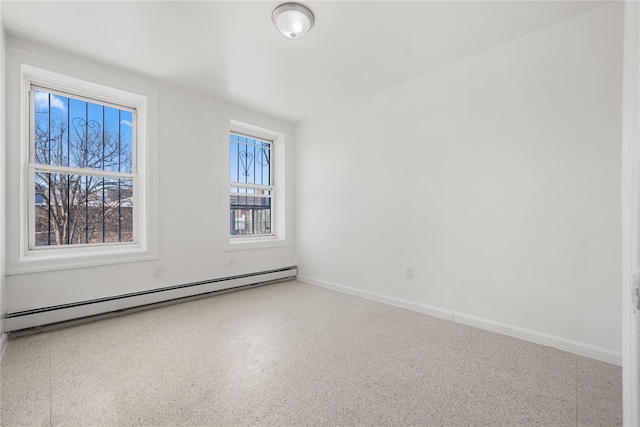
<point>496,178</point>
<point>3,309</point>
<point>190,143</point>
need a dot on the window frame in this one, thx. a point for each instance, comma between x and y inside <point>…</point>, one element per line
<point>35,167</point>
<point>264,130</point>
<point>270,187</point>
<point>56,257</point>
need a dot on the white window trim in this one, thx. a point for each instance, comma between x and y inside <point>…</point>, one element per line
<point>74,256</point>
<point>278,219</point>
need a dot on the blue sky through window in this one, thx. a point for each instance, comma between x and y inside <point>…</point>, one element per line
<point>77,133</point>
<point>249,161</point>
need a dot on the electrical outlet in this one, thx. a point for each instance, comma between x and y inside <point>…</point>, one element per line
<point>409,272</point>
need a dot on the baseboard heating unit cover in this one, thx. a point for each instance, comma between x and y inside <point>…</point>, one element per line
<point>48,315</point>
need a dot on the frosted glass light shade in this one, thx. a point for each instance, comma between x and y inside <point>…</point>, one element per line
<point>293,20</point>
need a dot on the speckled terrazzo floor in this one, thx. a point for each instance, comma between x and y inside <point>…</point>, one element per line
<point>295,354</point>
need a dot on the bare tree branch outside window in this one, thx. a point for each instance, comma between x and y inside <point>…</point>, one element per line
<point>77,207</point>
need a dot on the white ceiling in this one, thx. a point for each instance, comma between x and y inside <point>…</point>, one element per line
<point>231,50</point>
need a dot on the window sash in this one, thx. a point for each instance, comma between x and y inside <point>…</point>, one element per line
<point>65,94</point>
<point>258,140</point>
<point>32,212</point>
<point>253,137</point>
<point>269,188</point>
<point>257,208</point>
<point>254,142</point>
<point>32,107</point>
<point>38,167</point>
<point>34,168</point>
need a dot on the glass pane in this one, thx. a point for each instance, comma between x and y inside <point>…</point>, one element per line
<point>51,128</point>
<point>126,210</point>
<point>125,139</point>
<point>250,215</point>
<point>82,209</point>
<point>234,171</point>
<point>76,133</point>
<point>249,161</point>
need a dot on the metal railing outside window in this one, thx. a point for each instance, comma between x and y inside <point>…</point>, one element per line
<point>251,186</point>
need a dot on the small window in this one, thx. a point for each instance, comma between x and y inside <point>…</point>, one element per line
<point>83,166</point>
<point>251,186</point>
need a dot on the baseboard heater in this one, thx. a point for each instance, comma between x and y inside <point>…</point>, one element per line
<point>61,313</point>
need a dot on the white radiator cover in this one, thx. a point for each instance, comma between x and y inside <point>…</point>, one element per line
<point>45,316</point>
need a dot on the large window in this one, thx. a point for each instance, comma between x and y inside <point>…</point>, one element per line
<point>82,161</point>
<point>251,186</point>
<point>86,175</point>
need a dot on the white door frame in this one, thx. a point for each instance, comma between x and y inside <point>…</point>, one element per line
<point>630,213</point>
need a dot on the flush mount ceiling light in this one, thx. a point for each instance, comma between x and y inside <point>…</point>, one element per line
<point>293,20</point>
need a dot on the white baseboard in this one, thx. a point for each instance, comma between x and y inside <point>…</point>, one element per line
<point>560,343</point>
<point>431,311</point>
<point>4,341</point>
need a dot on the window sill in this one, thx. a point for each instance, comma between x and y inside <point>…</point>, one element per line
<point>246,243</point>
<point>50,260</point>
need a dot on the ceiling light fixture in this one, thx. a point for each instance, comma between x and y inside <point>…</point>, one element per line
<point>293,20</point>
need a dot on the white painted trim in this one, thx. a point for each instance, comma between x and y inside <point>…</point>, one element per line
<point>4,343</point>
<point>630,211</point>
<point>571,346</point>
<point>21,258</point>
<point>426,309</point>
<point>3,186</point>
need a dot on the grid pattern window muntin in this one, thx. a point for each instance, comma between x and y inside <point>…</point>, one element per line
<point>251,186</point>
<point>82,171</point>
